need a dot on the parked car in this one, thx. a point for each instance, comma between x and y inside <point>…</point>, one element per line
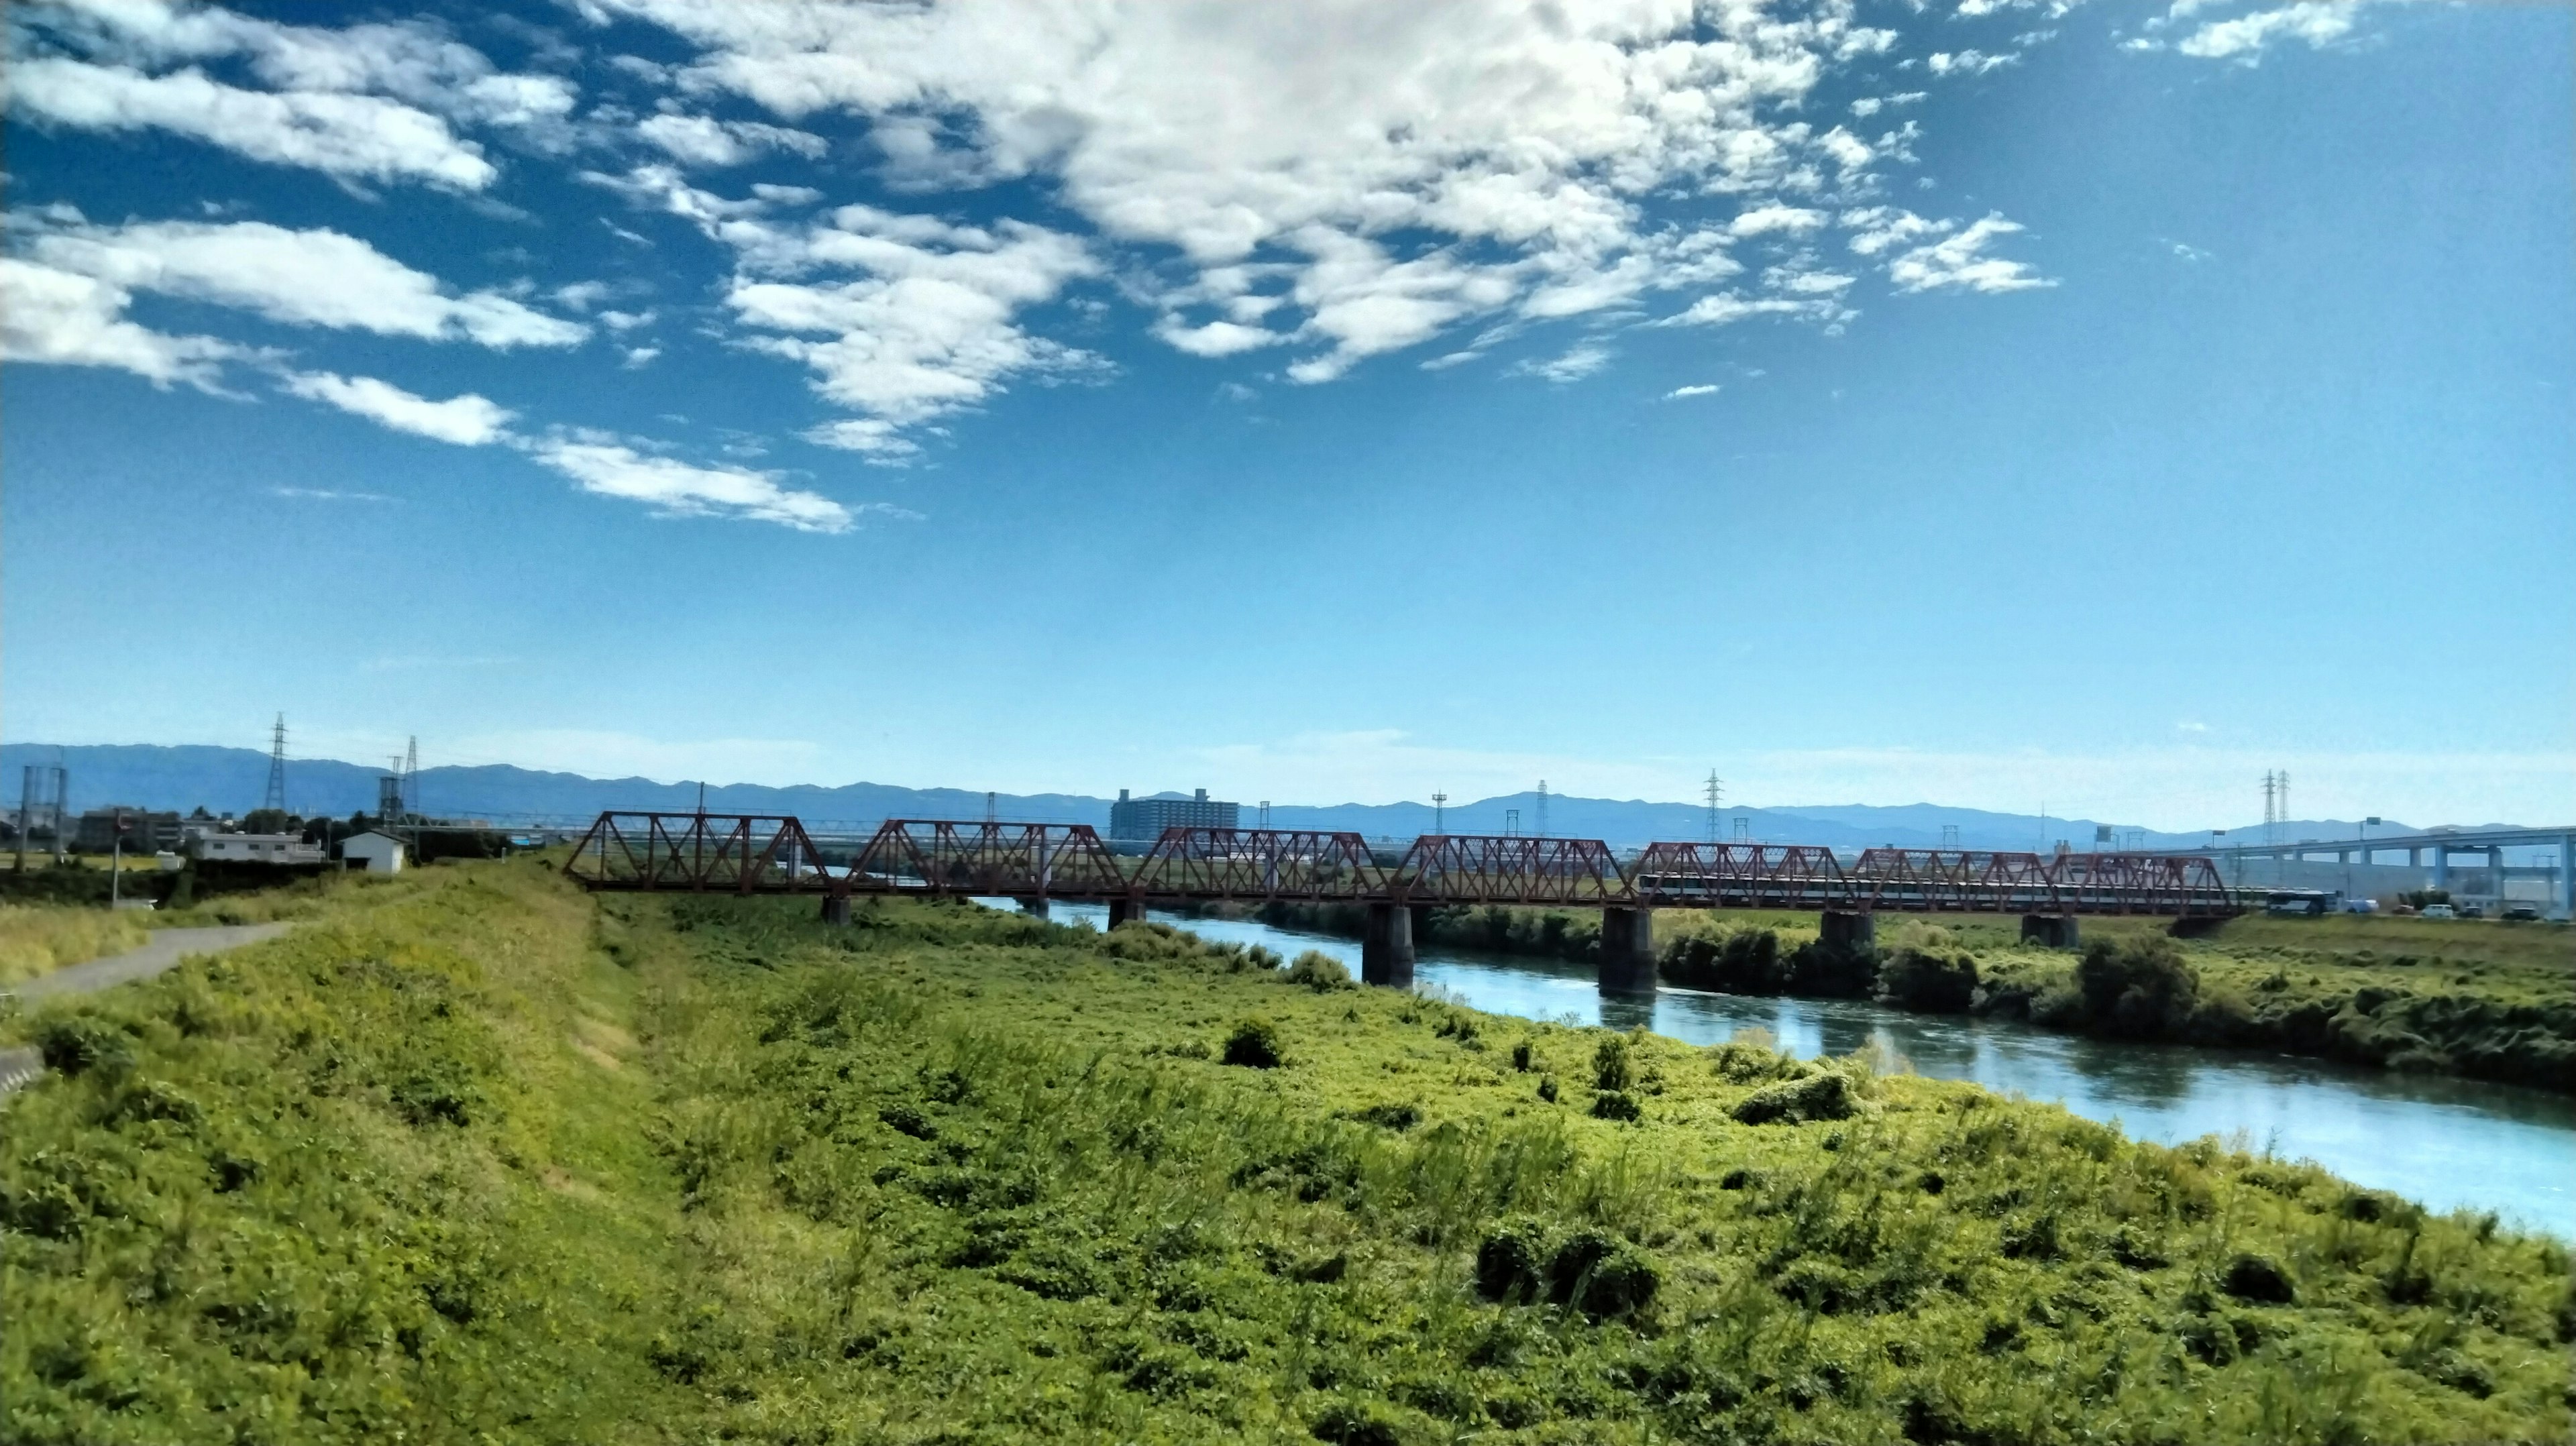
<point>2472,911</point>
<point>2524,913</point>
<point>2439,911</point>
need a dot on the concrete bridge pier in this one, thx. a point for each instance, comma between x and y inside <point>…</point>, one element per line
<point>1421,922</point>
<point>836,908</point>
<point>1386,949</point>
<point>1125,910</point>
<point>2050,931</point>
<point>1035,907</point>
<point>1852,933</point>
<point>1627,951</point>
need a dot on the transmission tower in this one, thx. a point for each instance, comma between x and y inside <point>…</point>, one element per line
<point>1511,823</point>
<point>1541,831</point>
<point>1440,813</point>
<point>1715,793</point>
<point>276,796</point>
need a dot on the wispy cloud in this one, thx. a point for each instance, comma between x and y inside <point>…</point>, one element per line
<point>1703,389</point>
<point>325,494</point>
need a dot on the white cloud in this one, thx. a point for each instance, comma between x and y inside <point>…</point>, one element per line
<point>680,489</point>
<point>346,135</point>
<point>1579,361</point>
<point>1702,389</point>
<point>925,323</point>
<point>1868,106</point>
<point>300,278</point>
<point>2318,22</point>
<point>1967,62</point>
<point>370,101</point>
<point>1762,220</point>
<point>703,141</point>
<point>327,494</point>
<point>62,318</point>
<point>467,420</point>
<point>1960,261</point>
<point>1727,307</point>
<point>1388,176</point>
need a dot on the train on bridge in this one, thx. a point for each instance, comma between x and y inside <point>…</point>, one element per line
<point>1037,862</point>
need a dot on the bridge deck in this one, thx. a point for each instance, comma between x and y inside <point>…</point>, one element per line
<point>773,853</point>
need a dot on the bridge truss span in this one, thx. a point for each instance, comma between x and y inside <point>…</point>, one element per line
<point>1510,869</point>
<point>1013,860</point>
<point>1740,876</point>
<point>1262,864</point>
<point>699,853</point>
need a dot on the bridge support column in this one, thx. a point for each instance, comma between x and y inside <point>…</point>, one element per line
<point>836,908</point>
<point>2051,931</point>
<point>1421,924</point>
<point>1386,949</point>
<point>1125,911</point>
<point>1851,933</point>
<point>1627,951</point>
<point>2567,877</point>
<point>2441,866</point>
<point>1035,908</point>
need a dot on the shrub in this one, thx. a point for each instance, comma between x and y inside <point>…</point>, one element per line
<point>1254,1044</point>
<point>1508,1261</point>
<point>2258,1278</point>
<point>1355,1423</point>
<point>74,1043</point>
<point>1601,1275</point>
<point>1318,971</point>
<point>1612,1068</point>
<point>1397,1117</point>
<point>1738,961</point>
<point>1615,1105</point>
<point>1521,1056</point>
<point>1928,972</point>
<point>2140,987</point>
<point>1824,1096</point>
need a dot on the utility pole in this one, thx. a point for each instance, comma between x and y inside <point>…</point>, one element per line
<point>411,777</point>
<point>1439,813</point>
<point>1715,792</point>
<point>276,796</point>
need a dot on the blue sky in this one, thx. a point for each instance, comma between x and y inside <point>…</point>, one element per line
<point>1990,403</point>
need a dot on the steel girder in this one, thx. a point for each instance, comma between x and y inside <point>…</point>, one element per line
<point>1507,869</point>
<point>1955,880</point>
<point>1244,863</point>
<point>2180,884</point>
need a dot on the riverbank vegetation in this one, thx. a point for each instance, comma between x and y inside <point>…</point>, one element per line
<point>2494,1001</point>
<point>471,1156</point>
<point>65,926</point>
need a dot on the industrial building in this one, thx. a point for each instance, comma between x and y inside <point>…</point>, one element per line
<point>146,832</point>
<point>285,849</point>
<point>1146,818</point>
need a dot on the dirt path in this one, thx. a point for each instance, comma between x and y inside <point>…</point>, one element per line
<point>169,946</point>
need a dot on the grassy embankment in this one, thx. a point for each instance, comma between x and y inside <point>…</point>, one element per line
<point>472,1157</point>
<point>2485,999</point>
<point>48,933</point>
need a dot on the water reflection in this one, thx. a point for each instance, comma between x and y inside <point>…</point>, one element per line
<point>2447,1142</point>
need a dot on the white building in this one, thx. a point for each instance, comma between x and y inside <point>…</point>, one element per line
<point>255,848</point>
<point>381,853</point>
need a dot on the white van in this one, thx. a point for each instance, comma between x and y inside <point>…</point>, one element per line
<point>2439,911</point>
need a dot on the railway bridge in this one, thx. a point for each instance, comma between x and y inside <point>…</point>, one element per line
<point>1038,862</point>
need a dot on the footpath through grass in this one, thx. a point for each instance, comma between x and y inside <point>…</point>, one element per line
<point>472,1157</point>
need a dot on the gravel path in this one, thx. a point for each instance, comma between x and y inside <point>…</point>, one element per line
<point>21,1066</point>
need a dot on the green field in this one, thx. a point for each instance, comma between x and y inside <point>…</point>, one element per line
<point>472,1157</point>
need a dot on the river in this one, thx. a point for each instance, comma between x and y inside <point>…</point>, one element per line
<point>2449,1143</point>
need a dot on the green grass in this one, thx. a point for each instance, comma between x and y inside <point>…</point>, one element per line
<point>40,938</point>
<point>471,1157</point>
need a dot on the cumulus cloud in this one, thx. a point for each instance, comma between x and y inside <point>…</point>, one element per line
<point>680,489</point>
<point>373,101</point>
<point>1462,159</point>
<point>467,421</point>
<point>1578,361</point>
<point>300,278</point>
<point>63,318</point>
<point>702,141</point>
<point>2243,39</point>
<point>1959,262</point>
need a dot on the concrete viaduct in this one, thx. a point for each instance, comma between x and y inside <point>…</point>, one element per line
<point>1034,863</point>
<point>2434,853</point>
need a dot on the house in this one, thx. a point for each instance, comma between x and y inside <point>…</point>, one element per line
<point>255,848</point>
<point>382,853</point>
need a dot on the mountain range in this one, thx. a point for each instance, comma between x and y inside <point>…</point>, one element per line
<point>234,780</point>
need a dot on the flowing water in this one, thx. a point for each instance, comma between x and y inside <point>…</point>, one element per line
<point>2449,1143</point>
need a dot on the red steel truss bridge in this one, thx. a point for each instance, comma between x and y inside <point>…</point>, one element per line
<point>773,853</point>
<point>737,853</point>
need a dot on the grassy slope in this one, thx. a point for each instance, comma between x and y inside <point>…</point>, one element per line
<point>40,938</point>
<point>469,1158</point>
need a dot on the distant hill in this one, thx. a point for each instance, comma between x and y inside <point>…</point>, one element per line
<point>233,780</point>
